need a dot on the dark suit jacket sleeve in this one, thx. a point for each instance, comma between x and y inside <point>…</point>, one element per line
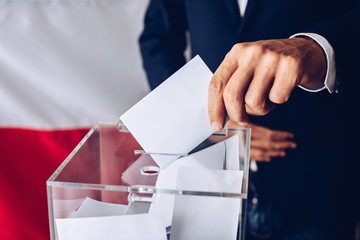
<point>343,33</point>
<point>163,40</point>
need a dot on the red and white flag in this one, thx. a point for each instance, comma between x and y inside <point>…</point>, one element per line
<point>64,66</point>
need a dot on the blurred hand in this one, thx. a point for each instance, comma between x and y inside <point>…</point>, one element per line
<point>266,143</point>
<point>255,76</point>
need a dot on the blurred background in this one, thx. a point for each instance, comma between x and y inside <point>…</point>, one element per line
<point>64,66</point>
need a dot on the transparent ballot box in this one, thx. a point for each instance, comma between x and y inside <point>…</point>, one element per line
<point>110,188</point>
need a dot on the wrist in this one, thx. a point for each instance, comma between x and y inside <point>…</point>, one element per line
<point>330,82</point>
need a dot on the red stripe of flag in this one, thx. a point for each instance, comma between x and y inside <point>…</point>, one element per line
<point>27,159</point>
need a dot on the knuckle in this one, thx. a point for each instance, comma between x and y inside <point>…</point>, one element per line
<point>238,47</point>
<point>256,50</point>
<point>255,105</point>
<point>216,84</point>
<point>273,135</point>
<point>251,48</point>
<point>277,146</point>
<point>252,102</point>
<point>271,59</point>
<point>292,60</point>
<point>268,145</point>
<point>291,63</point>
<point>267,134</point>
<point>278,98</point>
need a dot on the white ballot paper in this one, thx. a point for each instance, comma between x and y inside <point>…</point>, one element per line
<point>208,217</point>
<point>205,217</point>
<point>127,227</point>
<point>212,157</point>
<point>64,208</point>
<point>209,180</point>
<point>173,118</point>
<point>202,171</point>
<point>93,208</point>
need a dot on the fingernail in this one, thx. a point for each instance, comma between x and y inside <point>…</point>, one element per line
<point>215,126</point>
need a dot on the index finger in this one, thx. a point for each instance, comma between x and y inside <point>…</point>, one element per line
<point>216,105</point>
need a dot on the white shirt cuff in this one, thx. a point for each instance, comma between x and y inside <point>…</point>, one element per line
<point>330,78</point>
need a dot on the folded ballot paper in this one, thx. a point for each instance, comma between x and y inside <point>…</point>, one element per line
<point>169,123</point>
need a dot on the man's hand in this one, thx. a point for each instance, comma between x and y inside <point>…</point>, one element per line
<point>266,143</point>
<point>255,76</point>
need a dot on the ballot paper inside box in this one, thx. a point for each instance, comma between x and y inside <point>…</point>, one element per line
<point>110,188</point>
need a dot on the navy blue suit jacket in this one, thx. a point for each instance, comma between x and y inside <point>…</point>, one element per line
<point>308,185</point>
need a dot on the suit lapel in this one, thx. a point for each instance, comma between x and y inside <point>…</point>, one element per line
<point>233,10</point>
<point>247,15</point>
